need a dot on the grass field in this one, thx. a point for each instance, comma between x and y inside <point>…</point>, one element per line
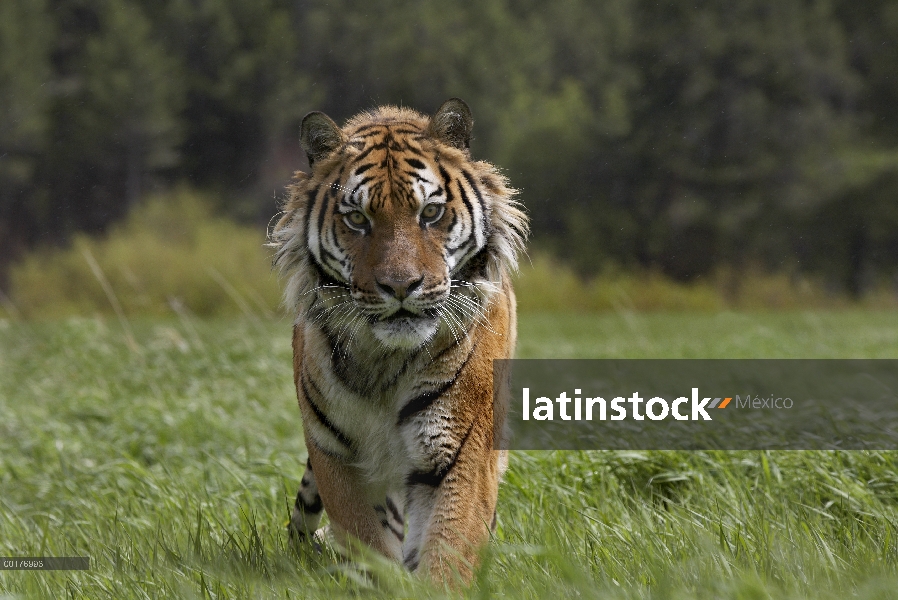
<point>171,461</point>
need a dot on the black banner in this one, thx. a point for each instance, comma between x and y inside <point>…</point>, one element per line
<point>694,404</point>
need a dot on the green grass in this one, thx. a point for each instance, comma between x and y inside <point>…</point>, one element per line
<point>172,464</point>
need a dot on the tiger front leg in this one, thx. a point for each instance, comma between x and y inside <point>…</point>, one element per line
<point>452,509</point>
<point>352,513</point>
<point>307,509</point>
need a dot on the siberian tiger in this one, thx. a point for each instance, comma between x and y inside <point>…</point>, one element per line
<point>397,249</point>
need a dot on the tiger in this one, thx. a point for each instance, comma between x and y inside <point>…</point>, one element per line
<point>397,250</point>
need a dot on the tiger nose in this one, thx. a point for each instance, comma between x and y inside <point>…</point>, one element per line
<point>399,288</point>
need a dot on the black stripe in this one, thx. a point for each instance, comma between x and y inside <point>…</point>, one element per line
<point>395,511</point>
<point>397,533</point>
<point>469,254</point>
<point>364,153</point>
<point>385,521</point>
<point>338,356</point>
<point>455,342</point>
<point>363,168</point>
<point>330,238</point>
<point>367,136</point>
<point>406,131</point>
<point>422,401</point>
<point>305,507</point>
<point>414,163</point>
<point>386,124</point>
<point>474,266</point>
<point>362,182</point>
<point>454,220</point>
<point>411,561</point>
<point>419,403</point>
<point>446,180</point>
<point>412,150</point>
<point>414,175</point>
<point>325,278</point>
<point>376,195</point>
<point>469,206</point>
<point>387,384</point>
<point>476,189</point>
<point>435,476</point>
<point>322,418</point>
<point>325,254</point>
<point>310,205</point>
<point>367,127</point>
<point>394,144</point>
<point>323,211</point>
<point>454,249</point>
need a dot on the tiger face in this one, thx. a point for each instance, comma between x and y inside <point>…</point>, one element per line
<point>392,223</point>
<point>400,219</point>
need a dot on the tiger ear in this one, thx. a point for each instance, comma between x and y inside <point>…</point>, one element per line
<point>452,124</point>
<point>319,136</point>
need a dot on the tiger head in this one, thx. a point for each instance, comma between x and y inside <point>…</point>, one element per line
<point>396,228</point>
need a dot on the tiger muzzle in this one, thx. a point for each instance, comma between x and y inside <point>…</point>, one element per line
<point>399,287</point>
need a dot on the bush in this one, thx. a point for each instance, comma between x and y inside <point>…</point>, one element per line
<point>547,285</point>
<point>172,252</point>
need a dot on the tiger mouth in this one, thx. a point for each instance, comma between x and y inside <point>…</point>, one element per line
<point>407,315</point>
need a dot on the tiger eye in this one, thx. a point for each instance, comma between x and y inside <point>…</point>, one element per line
<point>357,218</point>
<point>432,212</point>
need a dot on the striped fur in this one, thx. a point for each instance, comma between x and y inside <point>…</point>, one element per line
<point>396,249</point>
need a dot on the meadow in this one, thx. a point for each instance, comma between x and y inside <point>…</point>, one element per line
<point>170,456</point>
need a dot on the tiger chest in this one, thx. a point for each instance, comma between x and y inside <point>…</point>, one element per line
<point>389,418</point>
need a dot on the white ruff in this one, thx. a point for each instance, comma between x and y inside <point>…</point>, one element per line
<point>405,333</point>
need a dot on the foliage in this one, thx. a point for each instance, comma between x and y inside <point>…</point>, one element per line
<point>113,119</point>
<point>678,137</point>
<point>172,254</point>
<point>25,33</point>
<point>547,284</point>
<point>172,464</point>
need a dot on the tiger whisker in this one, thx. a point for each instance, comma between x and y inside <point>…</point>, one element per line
<point>347,308</point>
<point>357,321</point>
<point>462,330</point>
<point>320,287</point>
<point>475,307</point>
<point>491,288</point>
<point>339,319</point>
<point>473,310</point>
<point>327,312</point>
<point>441,314</point>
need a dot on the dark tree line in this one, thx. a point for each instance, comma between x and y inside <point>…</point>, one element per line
<point>679,136</point>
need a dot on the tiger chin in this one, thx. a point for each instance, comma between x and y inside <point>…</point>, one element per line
<point>396,248</point>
